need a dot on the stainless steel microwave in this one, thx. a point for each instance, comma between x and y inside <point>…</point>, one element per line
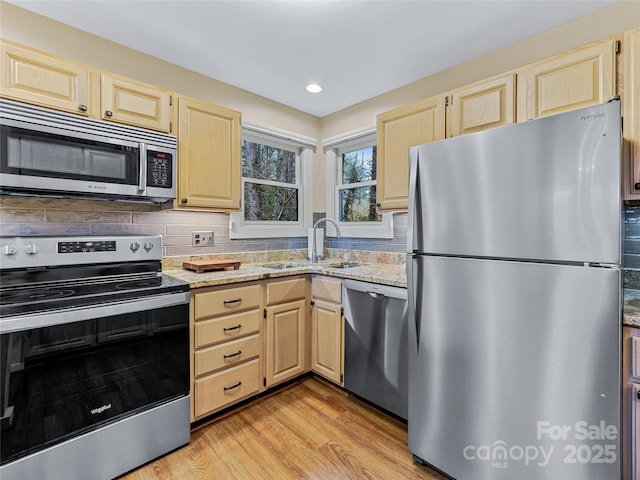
<point>48,153</point>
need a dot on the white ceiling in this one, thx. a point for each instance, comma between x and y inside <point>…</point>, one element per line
<point>354,49</point>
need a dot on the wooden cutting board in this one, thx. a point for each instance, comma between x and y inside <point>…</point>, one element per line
<point>200,266</point>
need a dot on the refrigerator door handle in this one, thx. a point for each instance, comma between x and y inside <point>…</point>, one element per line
<point>414,230</point>
<point>414,276</point>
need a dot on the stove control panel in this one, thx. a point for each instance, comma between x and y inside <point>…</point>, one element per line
<point>81,247</point>
<point>27,252</point>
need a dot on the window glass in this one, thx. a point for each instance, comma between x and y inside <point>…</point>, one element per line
<point>359,165</point>
<point>357,193</point>
<point>271,191</point>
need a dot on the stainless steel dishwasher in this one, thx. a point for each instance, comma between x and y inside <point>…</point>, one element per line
<point>376,355</point>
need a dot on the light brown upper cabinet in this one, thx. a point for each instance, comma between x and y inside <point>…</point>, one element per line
<point>209,156</point>
<point>397,131</point>
<point>577,79</point>
<point>46,80</point>
<point>482,105</point>
<point>127,101</point>
<point>631,111</point>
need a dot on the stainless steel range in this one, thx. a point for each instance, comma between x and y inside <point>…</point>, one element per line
<point>94,371</point>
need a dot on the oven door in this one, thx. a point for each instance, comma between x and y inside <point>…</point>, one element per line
<point>70,372</point>
<point>51,158</point>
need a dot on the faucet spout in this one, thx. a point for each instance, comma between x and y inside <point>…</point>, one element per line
<point>314,247</point>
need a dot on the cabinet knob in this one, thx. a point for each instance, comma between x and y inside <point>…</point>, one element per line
<point>636,186</point>
<point>184,200</point>
<point>108,113</point>
<point>378,204</point>
<point>82,108</point>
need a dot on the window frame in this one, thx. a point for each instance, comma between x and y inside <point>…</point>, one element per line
<point>333,158</point>
<point>239,228</point>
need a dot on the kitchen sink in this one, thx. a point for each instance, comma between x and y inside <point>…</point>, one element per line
<point>280,266</point>
<point>345,265</point>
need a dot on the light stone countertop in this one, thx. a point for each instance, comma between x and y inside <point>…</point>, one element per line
<point>631,312</point>
<point>387,274</point>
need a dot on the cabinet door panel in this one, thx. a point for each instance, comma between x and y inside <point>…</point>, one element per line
<point>45,80</point>
<point>631,108</point>
<point>483,105</point>
<point>326,340</point>
<point>286,338</point>
<point>326,289</point>
<point>209,156</point>
<point>397,130</point>
<point>286,290</point>
<point>578,79</point>
<point>135,103</point>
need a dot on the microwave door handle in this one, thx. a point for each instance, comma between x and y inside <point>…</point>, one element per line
<point>142,179</point>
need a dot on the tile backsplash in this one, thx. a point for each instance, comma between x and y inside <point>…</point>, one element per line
<point>40,217</point>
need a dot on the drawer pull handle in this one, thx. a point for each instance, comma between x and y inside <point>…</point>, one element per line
<point>239,352</point>
<point>231,328</point>
<point>237,300</point>
<point>232,386</point>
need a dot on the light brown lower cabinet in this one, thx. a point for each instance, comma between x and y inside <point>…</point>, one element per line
<point>327,329</point>
<point>631,403</point>
<point>285,342</point>
<point>227,346</point>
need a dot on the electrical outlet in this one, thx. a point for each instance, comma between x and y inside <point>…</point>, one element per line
<point>202,238</point>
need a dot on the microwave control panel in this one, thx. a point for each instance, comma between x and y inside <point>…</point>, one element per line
<point>159,169</point>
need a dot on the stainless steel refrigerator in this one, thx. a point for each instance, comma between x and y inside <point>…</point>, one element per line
<point>514,290</point>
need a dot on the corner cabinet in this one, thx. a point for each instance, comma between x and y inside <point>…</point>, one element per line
<point>209,156</point>
<point>45,80</point>
<point>631,112</point>
<point>285,330</point>
<point>397,131</point>
<point>577,79</point>
<point>327,329</point>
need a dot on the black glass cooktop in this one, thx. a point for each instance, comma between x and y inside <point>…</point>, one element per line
<point>73,293</point>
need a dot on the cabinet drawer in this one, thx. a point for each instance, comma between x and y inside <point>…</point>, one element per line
<point>228,327</point>
<point>286,290</point>
<point>226,301</point>
<point>224,388</point>
<point>226,354</point>
<point>327,289</point>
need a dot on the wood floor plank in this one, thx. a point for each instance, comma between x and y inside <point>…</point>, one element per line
<point>311,430</point>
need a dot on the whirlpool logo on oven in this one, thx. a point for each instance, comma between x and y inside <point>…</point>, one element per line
<point>580,442</point>
<point>95,411</point>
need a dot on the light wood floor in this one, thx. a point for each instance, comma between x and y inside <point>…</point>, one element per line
<point>310,430</point>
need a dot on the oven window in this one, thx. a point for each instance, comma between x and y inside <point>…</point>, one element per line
<point>41,154</point>
<point>64,380</point>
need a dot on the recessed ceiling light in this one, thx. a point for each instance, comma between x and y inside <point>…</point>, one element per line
<point>314,88</point>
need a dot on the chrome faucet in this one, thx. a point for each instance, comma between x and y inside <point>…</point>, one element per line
<point>314,253</point>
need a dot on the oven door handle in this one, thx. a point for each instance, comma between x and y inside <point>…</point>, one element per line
<point>91,312</point>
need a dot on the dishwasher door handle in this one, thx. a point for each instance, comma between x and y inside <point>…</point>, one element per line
<point>376,295</point>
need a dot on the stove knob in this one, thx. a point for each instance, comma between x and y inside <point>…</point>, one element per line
<point>31,249</point>
<point>134,246</point>
<point>148,246</point>
<point>9,250</point>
